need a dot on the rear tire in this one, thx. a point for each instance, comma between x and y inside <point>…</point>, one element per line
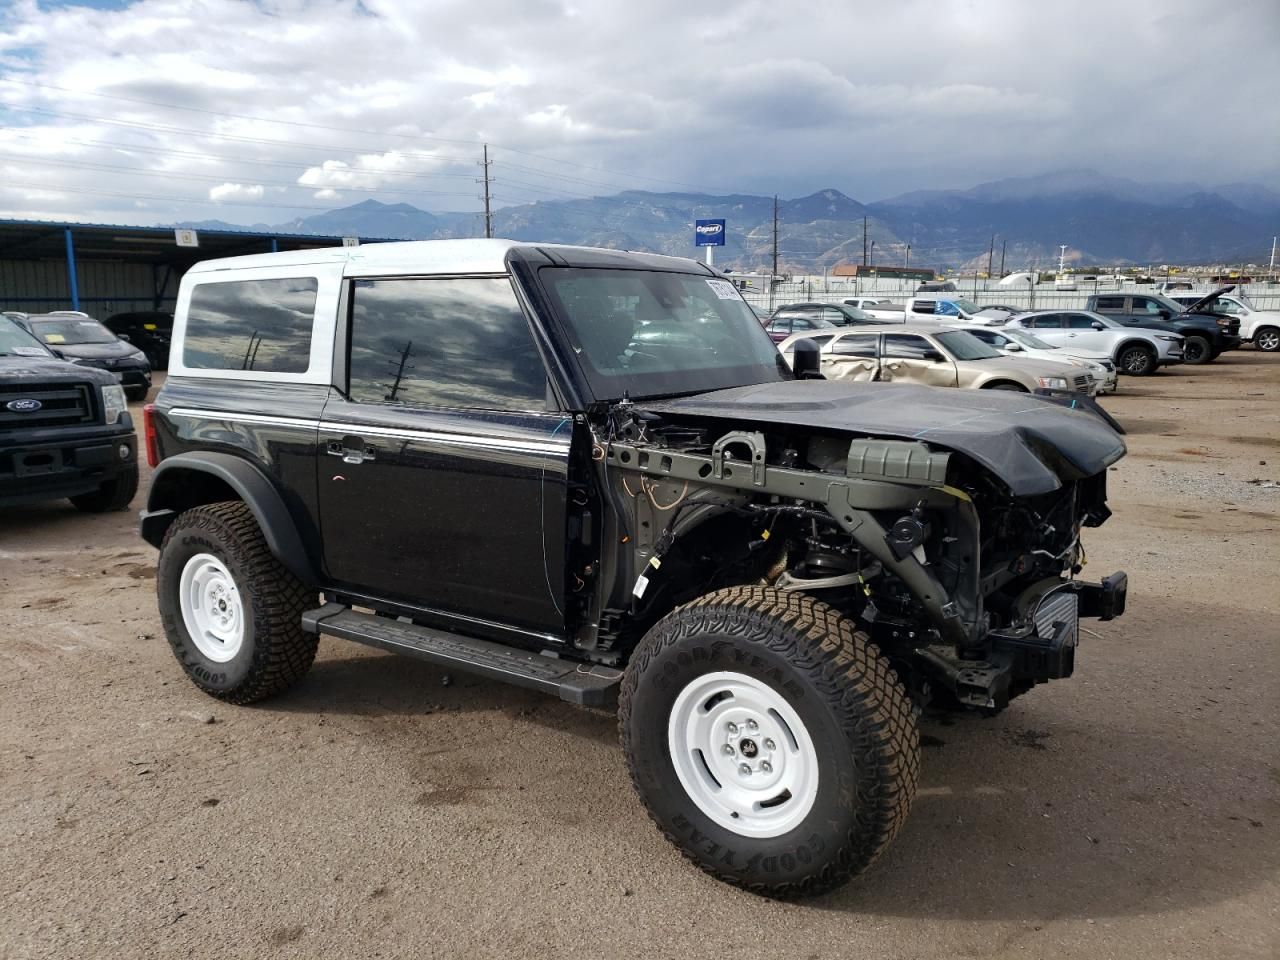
<point>115,494</point>
<point>784,684</point>
<point>1137,361</point>
<point>1267,339</point>
<point>230,609</point>
<point>1197,350</point>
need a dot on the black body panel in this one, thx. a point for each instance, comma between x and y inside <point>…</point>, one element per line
<point>1032,445</point>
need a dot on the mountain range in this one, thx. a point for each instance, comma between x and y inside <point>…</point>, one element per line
<point>1103,220</point>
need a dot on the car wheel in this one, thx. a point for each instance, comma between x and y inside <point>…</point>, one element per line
<point>1016,388</point>
<point>1267,339</point>
<point>1197,350</point>
<point>769,739</point>
<point>231,611</point>
<point>115,494</point>
<point>136,393</point>
<point>1137,361</point>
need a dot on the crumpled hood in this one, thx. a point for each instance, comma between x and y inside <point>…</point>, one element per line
<point>1032,444</point>
<point>49,370</point>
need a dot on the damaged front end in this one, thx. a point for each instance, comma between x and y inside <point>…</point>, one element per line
<point>969,587</point>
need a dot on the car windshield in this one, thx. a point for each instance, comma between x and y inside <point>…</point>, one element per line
<point>71,330</point>
<point>648,333</point>
<point>1027,339</point>
<point>16,342</point>
<point>968,306</point>
<point>854,315</point>
<point>963,345</point>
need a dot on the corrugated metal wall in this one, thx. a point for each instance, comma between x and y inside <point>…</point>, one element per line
<point>106,287</point>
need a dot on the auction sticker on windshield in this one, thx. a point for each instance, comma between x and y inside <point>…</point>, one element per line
<point>724,289</point>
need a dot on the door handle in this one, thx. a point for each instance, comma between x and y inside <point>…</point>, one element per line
<point>349,453</point>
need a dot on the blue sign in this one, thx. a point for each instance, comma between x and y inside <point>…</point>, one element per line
<point>708,233</point>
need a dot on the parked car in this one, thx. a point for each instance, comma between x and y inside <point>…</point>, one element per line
<point>64,429</point>
<point>1015,340</point>
<point>937,286</point>
<point>1259,327</point>
<point>865,303</point>
<point>1206,336</point>
<point>998,311</point>
<point>946,308</point>
<point>794,317</point>
<point>772,573</point>
<point>149,330</point>
<point>83,340</point>
<point>936,355</point>
<point>1138,351</point>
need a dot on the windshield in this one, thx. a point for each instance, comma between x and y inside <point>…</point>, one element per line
<point>853,315</point>
<point>16,342</point>
<point>1027,339</point>
<point>71,330</point>
<point>963,345</point>
<point>968,306</point>
<point>647,333</point>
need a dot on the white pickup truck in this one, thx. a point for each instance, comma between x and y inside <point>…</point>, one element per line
<point>1260,327</point>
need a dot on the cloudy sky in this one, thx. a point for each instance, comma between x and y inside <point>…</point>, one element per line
<point>155,110</point>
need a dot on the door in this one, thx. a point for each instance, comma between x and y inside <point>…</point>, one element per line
<point>1049,327</point>
<point>1083,338</point>
<point>851,357</point>
<point>910,358</point>
<point>443,471</point>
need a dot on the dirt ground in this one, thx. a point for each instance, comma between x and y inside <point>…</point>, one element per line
<point>1132,811</point>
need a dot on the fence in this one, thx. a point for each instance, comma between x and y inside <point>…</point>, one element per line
<point>1044,296</point>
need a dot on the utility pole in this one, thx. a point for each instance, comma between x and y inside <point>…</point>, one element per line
<point>773,277</point>
<point>991,255</point>
<point>488,215</point>
<point>864,241</point>
<point>907,265</point>
<point>1272,268</point>
<point>1004,245</point>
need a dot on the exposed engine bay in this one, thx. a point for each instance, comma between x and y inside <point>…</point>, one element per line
<point>970,589</point>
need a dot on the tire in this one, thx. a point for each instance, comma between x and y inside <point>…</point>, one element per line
<point>216,554</point>
<point>835,709</point>
<point>1137,360</point>
<point>1197,350</point>
<point>1016,388</point>
<point>115,494</point>
<point>1267,339</point>
<point>136,393</point>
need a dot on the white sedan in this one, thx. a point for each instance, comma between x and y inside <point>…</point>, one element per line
<point>1022,342</point>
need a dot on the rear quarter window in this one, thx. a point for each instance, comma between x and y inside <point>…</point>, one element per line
<point>260,325</point>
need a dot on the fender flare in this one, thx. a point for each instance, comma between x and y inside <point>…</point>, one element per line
<point>252,486</point>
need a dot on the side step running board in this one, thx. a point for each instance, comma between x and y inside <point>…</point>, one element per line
<point>590,685</point>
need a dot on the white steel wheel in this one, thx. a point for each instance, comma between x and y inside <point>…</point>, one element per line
<point>211,607</point>
<point>743,755</point>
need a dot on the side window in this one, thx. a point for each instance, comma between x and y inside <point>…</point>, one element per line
<point>1227,307</point>
<point>1047,321</point>
<point>443,343</point>
<point>1114,304</point>
<point>802,323</point>
<point>1143,305</point>
<point>780,325</point>
<point>262,325</point>
<point>924,306</point>
<point>989,336</point>
<point>902,346</point>
<point>833,316</point>
<point>1079,321</point>
<point>821,340</point>
<point>946,308</point>
<point>860,345</point>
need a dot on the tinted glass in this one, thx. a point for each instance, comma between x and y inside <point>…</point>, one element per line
<point>71,330</point>
<point>963,345</point>
<point>647,333</point>
<point>1110,303</point>
<point>444,343</point>
<point>262,325</point>
<point>1079,321</point>
<point>856,346</point>
<point>905,347</point>
<point>1048,321</point>
<point>803,323</point>
<point>781,325</point>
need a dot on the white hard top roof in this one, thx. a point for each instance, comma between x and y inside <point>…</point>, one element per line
<point>410,256</point>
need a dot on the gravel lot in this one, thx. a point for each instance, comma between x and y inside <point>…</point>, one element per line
<point>1133,811</point>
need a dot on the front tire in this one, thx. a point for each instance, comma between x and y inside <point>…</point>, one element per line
<point>1197,350</point>
<point>116,494</point>
<point>1137,361</point>
<point>230,609</point>
<point>1267,339</point>
<point>771,742</point>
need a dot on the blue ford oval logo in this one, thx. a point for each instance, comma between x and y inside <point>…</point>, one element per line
<point>24,405</point>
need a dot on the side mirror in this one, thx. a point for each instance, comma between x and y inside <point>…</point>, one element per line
<point>58,353</point>
<point>1012,347</point>
<point>1098,325</point>
<point>933,356</point>
<point>125,337</point>
<point>806,362</point>
<point>1165,314</point>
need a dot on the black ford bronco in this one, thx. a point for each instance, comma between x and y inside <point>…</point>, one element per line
<point>64,429</point>
<point>591,473</point>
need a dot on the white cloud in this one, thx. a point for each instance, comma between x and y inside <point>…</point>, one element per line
<point>236,191</point>
<point>661,95</point>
